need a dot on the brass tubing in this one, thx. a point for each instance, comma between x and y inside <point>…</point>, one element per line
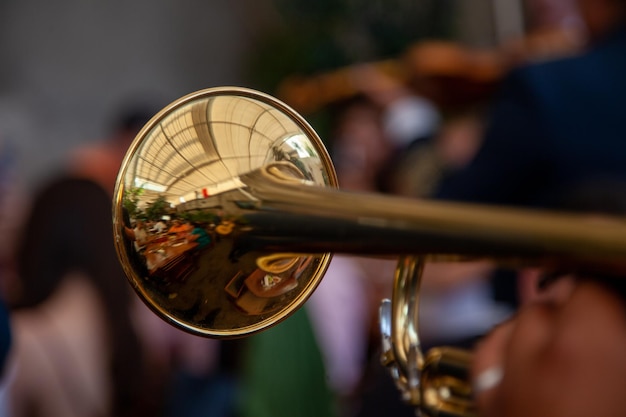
<point>311,219</point>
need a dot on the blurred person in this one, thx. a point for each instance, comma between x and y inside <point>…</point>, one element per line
<point>200,235</point>
<point>456,305</point>
<point>359,147</point>
<point>562,353</point>
<point>345,305</point>
<point>562,356</point>
<point>556,31</point>
<point>72,305</point>
<point>402,125</point>
<point>368,136</point>
<point>554,125</point>
<point>387,139</point>
<point>77,350</point>
<point>419,168</point>
<point>179,228</point>
<point>160,227</point>
<point>140,235</point>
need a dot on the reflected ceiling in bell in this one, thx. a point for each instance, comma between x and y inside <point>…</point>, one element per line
<point>207,154</point>
<point>201,147</point>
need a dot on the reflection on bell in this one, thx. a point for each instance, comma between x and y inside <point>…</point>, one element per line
<point>192,156</point>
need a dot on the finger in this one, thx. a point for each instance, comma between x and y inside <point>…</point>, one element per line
<point>487,367</point>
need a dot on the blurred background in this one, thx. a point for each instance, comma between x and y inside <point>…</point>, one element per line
<point>67,66</point>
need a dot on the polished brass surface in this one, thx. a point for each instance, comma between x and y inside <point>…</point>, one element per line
<point>444,386</point>
<point>435,382</point>
<point>251,173</point>
<point>195,156</point>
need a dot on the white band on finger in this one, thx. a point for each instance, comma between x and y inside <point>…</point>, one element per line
<point>488,379</point>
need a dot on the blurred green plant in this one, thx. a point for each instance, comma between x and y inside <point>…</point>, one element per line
<point>200,217</point>
<point>130,201</point>
<point>315,36</point>
<point>156,209</point>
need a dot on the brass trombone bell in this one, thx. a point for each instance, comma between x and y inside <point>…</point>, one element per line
<point>255,181</point>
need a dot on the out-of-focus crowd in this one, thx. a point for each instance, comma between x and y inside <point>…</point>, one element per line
<point>534,123</point>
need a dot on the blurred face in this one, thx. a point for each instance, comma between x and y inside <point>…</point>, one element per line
<point>362,148</point>
<point>562,356</point>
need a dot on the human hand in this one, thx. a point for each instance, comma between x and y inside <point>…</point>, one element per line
<point>559,357</point>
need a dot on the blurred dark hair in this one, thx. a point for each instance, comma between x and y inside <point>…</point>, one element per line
<point>133,113</point>
<point>69,229</point>
<point>134,119</point>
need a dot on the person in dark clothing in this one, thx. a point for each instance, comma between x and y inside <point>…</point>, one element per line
<point>555,129</point>
<point>554,125</point>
